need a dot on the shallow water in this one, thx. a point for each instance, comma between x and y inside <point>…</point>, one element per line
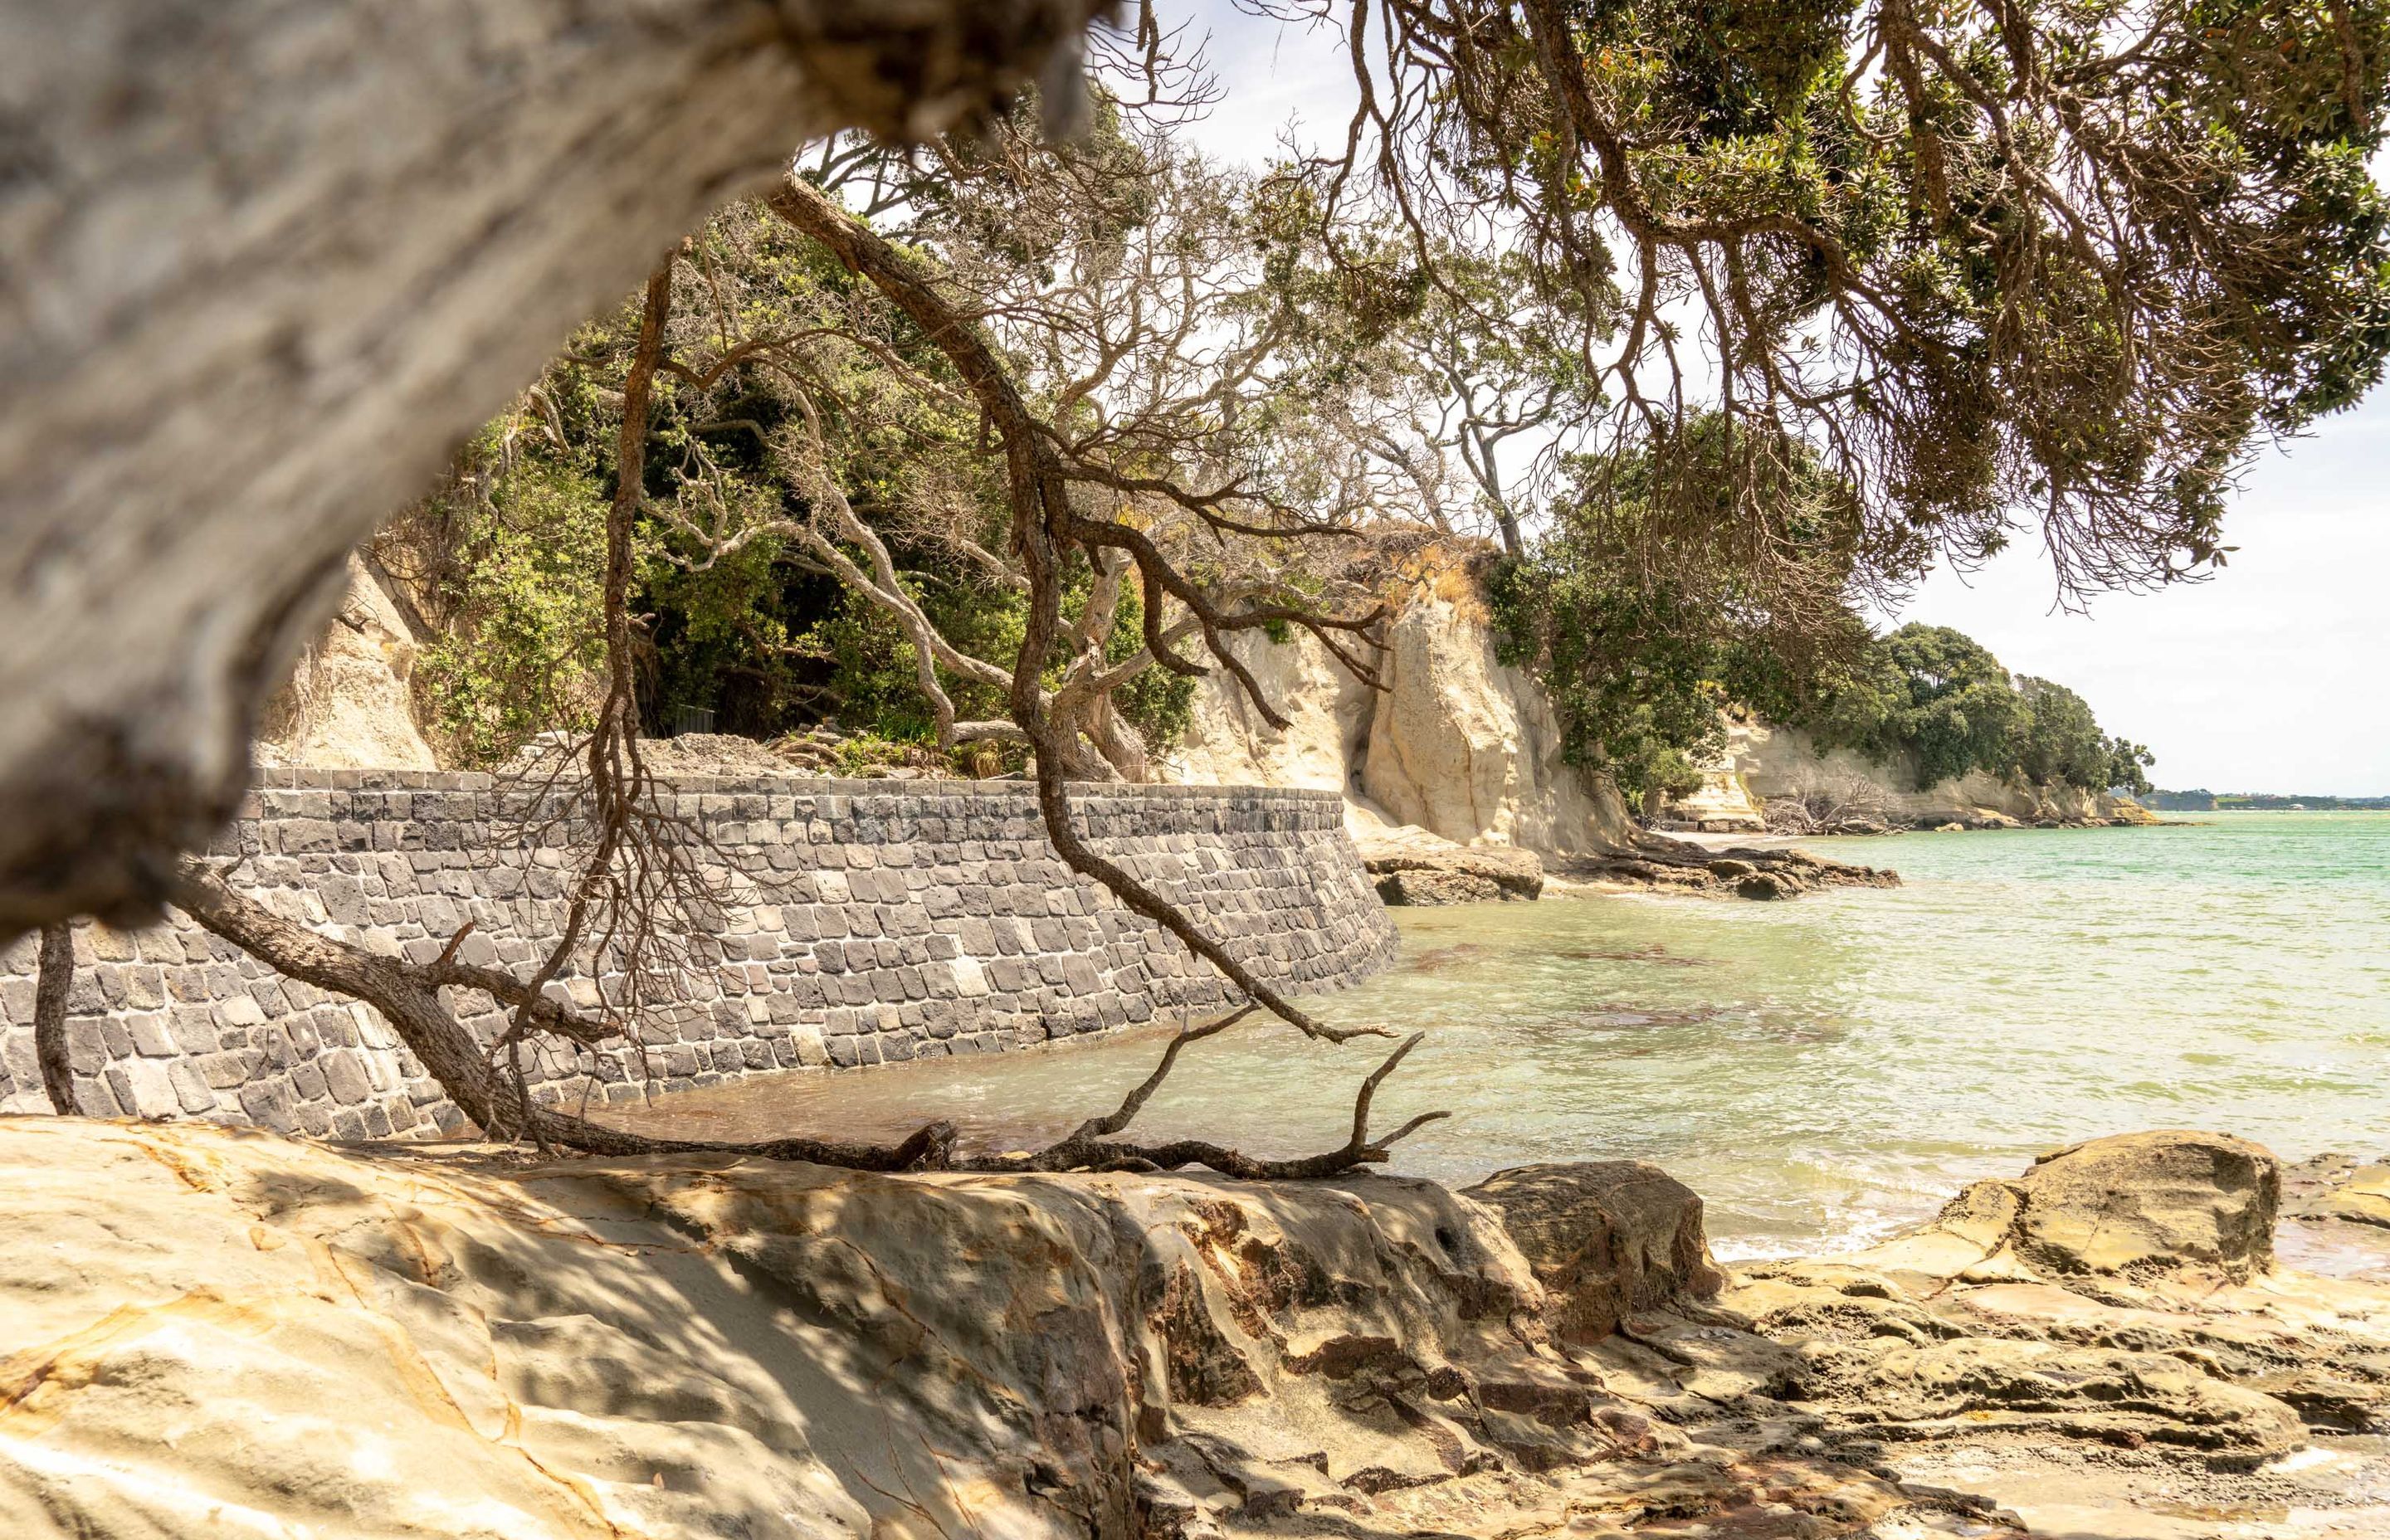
<point>1820,1070</point>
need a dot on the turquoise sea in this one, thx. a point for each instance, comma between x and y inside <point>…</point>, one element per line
<point>1820,1070</point>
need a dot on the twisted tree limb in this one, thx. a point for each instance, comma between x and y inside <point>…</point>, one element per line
<point>407,995</point>
<point>363,228</point>
<point>1092,1147</point>
<point>1044,526</point>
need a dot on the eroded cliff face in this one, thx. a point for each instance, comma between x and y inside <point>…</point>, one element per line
<point>1457,747</point>
<point>1764,761</point>
<point>349,704</point>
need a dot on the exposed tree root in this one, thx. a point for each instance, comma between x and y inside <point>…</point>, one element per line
<point>1091,1146</point>
<point>407,995</point>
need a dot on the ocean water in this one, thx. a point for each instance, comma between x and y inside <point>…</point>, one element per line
<point>1821,1072</point>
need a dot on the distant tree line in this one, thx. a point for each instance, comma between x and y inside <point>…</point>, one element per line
<point>1940,698</point>
<point>2201,799</point>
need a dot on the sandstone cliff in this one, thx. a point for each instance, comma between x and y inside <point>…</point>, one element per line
<point>1457,748</point>
<point>349,703</point>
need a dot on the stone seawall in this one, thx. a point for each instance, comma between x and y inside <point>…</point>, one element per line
<point>869,921</point>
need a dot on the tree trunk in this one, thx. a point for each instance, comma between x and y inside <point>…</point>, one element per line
<point>1513,544</point>
<point>50,1017</point>
<point>1096,721</point>
<point>261,267</point>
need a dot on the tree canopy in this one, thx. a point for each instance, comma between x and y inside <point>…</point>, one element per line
<point>827,527</point>
<point>2036,265</point>
<point>1724,319</point>
<point>1939,699</point>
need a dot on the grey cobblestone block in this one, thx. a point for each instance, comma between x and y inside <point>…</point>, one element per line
<point>346,1078</point>
<point>189,1089</point>
<point>270,1104</point>
<point>92,1095</point>
<point>86,1054</point>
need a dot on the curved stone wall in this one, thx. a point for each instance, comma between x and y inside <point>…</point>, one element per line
<point>869,921</point>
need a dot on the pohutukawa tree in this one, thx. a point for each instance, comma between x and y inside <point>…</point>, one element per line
<point>1081,359</point>
<point>1997,265</point>
<point>1959,270</point>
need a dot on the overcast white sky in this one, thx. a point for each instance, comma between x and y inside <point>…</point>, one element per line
<point>2269,677</point>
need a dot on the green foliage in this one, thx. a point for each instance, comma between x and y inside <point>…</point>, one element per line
<point>2203,801</point>
<point>1940,698</point>
<point>1646,613</point>
<point>1932,693</point>
<point>1632,667</point>
<point>867,751</point>
<point>2129,767</point>
<point>756,634</point>
<point>523,646</point>
<point>2061,742</point>
<point>722,640</point>
<point>1644,621</point>
<point>804,428</point>
<point>1159,704</point>
<point>2050,264</point>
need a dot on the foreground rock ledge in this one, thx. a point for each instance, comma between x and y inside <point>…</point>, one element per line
<point>211,1331</point>
<point>2103,1338</point>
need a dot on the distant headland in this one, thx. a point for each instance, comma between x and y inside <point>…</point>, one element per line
<point>2201,799</point>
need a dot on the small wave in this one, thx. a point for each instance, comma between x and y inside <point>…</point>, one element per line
<point>1845,1232</point>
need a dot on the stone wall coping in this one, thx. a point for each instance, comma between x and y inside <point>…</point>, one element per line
<point>307,779</point>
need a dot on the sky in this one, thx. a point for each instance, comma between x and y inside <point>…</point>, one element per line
<point>2268,677</point>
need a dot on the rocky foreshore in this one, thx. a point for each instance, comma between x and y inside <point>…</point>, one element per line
<point>1739,871</point>
<point>1790,820</point>
<point>211,1331</point>
<point>1418,871</point>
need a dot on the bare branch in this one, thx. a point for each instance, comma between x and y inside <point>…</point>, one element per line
<point>408,997</point>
